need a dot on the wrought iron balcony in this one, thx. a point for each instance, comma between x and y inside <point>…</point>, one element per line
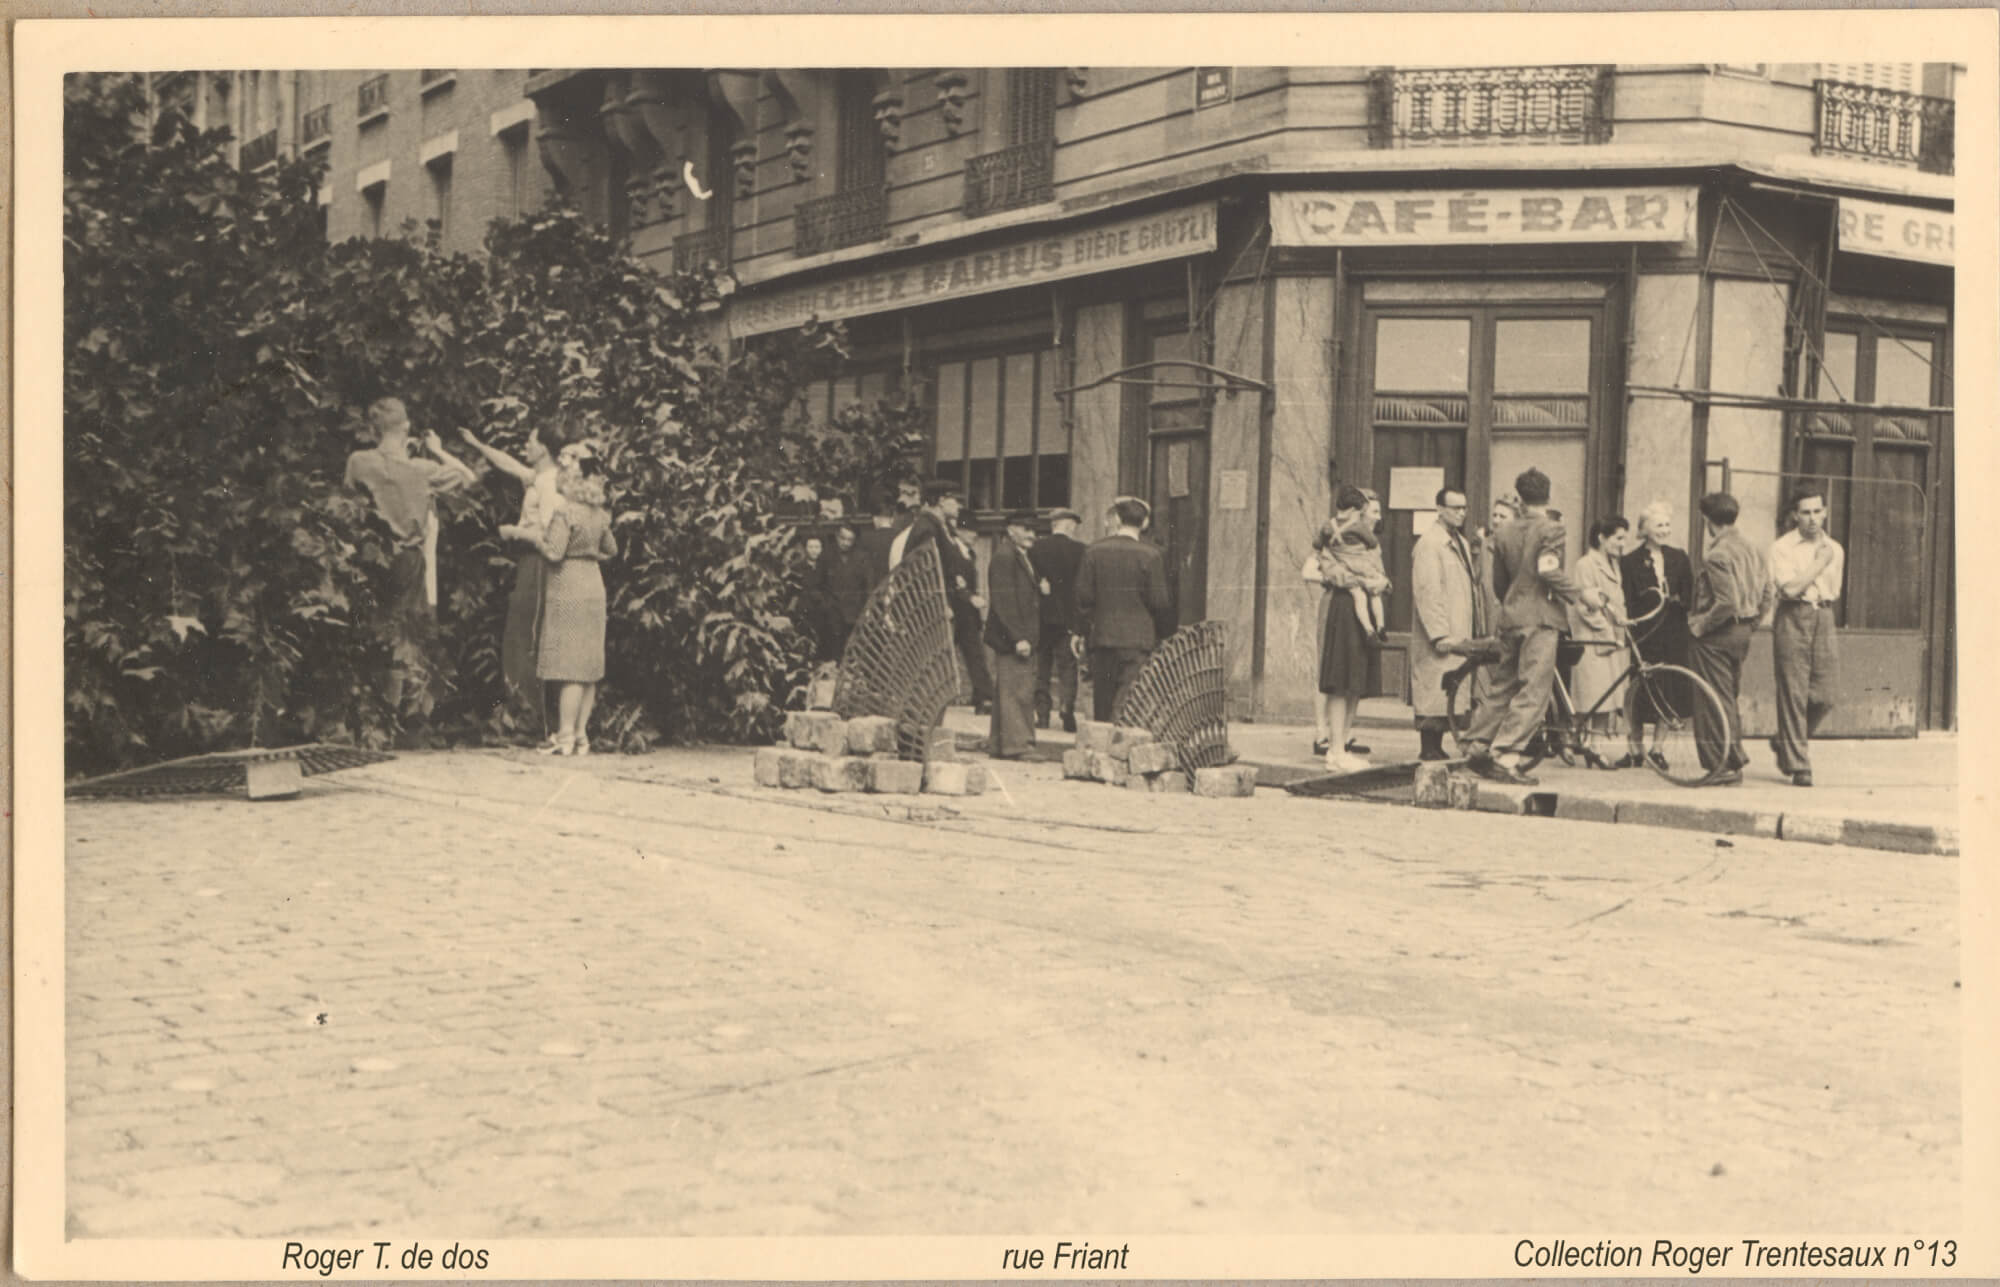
<point>316,126</point>
<point>1886,125</point>
<point>261,151</point>
<point>843,219</point>
<point>1022,175</point>
<point>372,96</point>
<point>1417,106</point>
<point>709,247</point>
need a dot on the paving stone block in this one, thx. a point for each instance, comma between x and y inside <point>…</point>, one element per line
<point>1138,782</point>
<point>939,746</point>
<point>1901,837</point>
<point>795,770</point>
<point>871,733</point>
<point>1151,757</point>
<point>1438,787</point>
<point>839,773</point>
<point>814,730</point>
<point>1076,765</point>
<point>1498,797</point>
<point>1226,781</point>
<point>769,759</point>
<point>273,779</point>
<point>1689,816</point>
<point>1106,767</point>
<point>895,777</point>
<point>953,777</point>
<point>1172,782</point>
<point>1811,828</point>
<point>1093,736</point>
<point>1125,737</point>
<point>1586,808</point>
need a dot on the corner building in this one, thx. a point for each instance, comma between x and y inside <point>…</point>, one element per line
<point>1232,289</point>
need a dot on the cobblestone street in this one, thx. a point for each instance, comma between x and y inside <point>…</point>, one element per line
<point>507,997</point>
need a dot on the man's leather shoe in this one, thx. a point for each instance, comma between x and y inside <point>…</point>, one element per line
<point>1802,778</point>
<point>1041,719</point>
<point>1355,748</point>
<point>1728,777</point>
<point>1069,723</point>
<point>1488,767</point>
<point>1432,756</point>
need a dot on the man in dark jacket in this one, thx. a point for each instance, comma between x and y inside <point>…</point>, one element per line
<point>1122,607</point>
<point>1056,557</point>
<point>1731,592</point>
<point>1013,631</point>
<point>845,578</point>
<point>878,542</point>
<point>932,525</point>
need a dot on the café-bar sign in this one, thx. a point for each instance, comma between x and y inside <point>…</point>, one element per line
<point>1485,216</point>
<point>1172,234</point>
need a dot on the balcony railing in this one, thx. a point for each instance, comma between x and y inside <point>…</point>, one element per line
<point>1022,175</point>
<point>710,246</point>
<point>1415,107</point>
<point>1886,125</point>
<point>261,151</point>
<point>843,219</point>
<point>317,125</point>
<point>372,96</point>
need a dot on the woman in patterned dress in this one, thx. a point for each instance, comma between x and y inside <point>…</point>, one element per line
<point>576,539</point>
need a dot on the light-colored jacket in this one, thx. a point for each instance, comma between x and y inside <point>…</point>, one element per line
<point>1595,573</point>
<point>1441,589</point>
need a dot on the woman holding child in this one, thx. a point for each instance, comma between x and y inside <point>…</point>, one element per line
<point>1348,560</point>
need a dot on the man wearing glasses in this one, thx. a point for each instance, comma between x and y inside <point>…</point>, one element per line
<point>1444,611</point>
<point>1806,565</point>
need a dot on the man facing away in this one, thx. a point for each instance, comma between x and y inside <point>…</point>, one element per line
<point>1056,558</point>
<point>1013,631</point>
<point>1732,590</point>
<point>1122,607</point>
<point>1806,568</point>
<point>403,488</point>
<point>1533,588</point>
<point>935,524</point>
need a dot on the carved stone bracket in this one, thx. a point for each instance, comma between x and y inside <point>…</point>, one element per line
<point>565,149</point>
<point>889,116</point>
<point>1077,80</point>
<point>798,147</point>
<point>743,159</point>
<point>953,89</point>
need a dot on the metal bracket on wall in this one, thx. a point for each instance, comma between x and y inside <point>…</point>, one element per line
<point>1231,383</point>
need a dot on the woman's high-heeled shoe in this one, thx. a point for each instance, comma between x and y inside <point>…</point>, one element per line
<point>554,746</point>
<point>580,746</point>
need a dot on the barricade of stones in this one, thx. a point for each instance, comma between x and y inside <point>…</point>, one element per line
<point>1129,757</point>
<point>827,753</point>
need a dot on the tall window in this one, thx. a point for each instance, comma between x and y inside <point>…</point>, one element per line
<point>1901,76</point>
<point>439,171</point>
<point>1031,104</point>
<point>860,162</point>
<point>1000,431</point>
<point>372,200</point>
<point>517,194</point>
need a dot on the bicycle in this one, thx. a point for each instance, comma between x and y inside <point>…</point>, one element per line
<point>1667,696</point>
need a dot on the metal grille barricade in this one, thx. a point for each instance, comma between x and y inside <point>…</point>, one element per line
<point>222,772</point>
<point>1180,696</point>
<point>900,660</point>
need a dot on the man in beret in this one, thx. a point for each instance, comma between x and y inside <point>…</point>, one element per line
<point>1056,557</point>
<point>1013,632</point>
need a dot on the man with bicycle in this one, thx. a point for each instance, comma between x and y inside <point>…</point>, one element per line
<point>1806,567</point>
<point>1534,590</point>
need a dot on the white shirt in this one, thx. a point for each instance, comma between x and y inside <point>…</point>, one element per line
<point>1791,555</point>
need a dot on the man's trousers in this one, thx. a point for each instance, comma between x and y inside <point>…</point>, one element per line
<point>1805,659</point>
<point>1718,658</point>
<point>1058,662</point>
<point>1518,696</point>
<point>1112,671</point>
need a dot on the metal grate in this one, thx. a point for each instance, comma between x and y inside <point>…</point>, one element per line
<point>1886,125</point>
<point>221,772</point>
<point>900,660</point>
<point>710,246</point>
<point>1181,697</point>
<point>1417,106</point>
<point>372,95</point>
<point>261,151</point>
<point>1023,175</point>
<point>317,124</point>
<point>843,219</point>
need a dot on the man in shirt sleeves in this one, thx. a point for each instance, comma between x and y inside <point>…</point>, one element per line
<point>1731,591</point>
<point>1806,568</point>
<point>1122,608</point>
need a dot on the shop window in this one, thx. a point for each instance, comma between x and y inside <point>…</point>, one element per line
<point>824,399</point>
<point>1879,469</point>
<point>1000,432</point>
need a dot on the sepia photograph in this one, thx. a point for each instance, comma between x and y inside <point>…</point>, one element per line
<point>614,621</point>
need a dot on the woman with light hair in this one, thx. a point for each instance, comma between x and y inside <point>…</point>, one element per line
<point>576,539</point>
<point>1656,575</point>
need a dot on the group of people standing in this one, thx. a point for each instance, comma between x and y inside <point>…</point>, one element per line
<point>1048,602</point>
<point>555,623</point>
<point>1512,585</point>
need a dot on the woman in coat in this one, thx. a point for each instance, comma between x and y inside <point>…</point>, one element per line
<point>577,538</point>
<point>1350,663</point>
<point>1596,618</point>
<point>1444,605</point>
<point>1651,572</point>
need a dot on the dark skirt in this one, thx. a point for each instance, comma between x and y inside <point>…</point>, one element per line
<point>1665,638</point>
<point>1350,661</point>
<point>521,638</point>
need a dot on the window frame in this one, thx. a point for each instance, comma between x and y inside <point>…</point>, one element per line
<point>1045,374</point>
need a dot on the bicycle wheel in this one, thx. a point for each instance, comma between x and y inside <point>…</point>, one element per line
<point>1459,685</point>
<point>1671,697</point>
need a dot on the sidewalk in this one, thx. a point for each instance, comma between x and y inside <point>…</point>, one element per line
<point>1896,794</point>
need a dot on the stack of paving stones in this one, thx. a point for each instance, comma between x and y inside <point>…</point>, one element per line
<point>827,753</point>
<point>1129,757</point>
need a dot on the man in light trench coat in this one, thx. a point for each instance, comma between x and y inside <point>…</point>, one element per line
<point>1442,596</point>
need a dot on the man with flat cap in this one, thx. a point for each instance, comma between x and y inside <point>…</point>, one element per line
<point>933,526</point>
<point>1056,557</point>
<point>1122,608</point>
<point>1013,632</point>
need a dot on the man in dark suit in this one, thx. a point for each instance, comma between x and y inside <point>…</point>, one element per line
<point>879,542</point>
<point>1013,632</point>
<point>1533,587</point>
<point>932,525</point>
<point>845,575</point>
<point>1122,608</point>
<point>1056,557</point>
<point>1732,590</point>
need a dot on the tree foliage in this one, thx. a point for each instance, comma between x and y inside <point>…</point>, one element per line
<point>223,589</point>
